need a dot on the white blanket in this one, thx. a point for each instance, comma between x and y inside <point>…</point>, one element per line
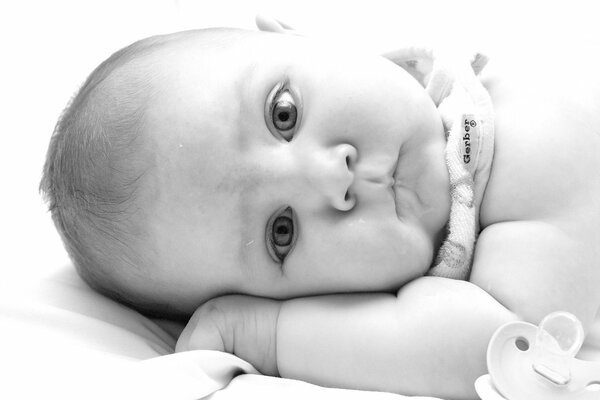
<point>64,341</point>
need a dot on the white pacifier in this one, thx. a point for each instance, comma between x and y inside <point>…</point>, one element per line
<point>526,362</point>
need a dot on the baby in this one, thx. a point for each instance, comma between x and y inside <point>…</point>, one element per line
<point>294,198</point>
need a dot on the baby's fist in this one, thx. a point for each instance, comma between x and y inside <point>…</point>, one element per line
<point>242,325</point>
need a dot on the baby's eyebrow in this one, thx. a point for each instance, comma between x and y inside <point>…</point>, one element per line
<point>248,214</point>
<point>247,104</point>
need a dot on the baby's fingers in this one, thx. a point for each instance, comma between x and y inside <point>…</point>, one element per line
<point>203,331</point>
<point>242,325</point>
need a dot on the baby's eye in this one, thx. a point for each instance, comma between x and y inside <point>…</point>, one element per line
<point>284,115</point>
<point>282,112</point>
<point>280,234</point>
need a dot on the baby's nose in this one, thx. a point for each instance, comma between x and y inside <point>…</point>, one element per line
<point>333,175</point>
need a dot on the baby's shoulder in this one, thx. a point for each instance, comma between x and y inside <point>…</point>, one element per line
<point>547,123</point>
<point>538,250</point>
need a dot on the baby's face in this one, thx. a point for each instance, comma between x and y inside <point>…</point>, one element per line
<point>282,169</point>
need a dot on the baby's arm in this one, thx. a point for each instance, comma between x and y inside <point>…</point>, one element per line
<point>430,339</point>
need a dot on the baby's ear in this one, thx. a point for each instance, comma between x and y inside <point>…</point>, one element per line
<point>269,24</point>
<point>416,61</point>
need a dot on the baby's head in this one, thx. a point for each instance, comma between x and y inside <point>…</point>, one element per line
<point>226,161</point>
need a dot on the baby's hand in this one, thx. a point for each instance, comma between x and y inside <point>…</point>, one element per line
<point>242,325</point>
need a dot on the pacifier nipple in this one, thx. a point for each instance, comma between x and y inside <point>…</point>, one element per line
<point>558,339</point>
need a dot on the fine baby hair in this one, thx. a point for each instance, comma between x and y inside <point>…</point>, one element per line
<point>93,170</point>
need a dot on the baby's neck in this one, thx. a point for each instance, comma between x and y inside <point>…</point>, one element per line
<point>466,110</point>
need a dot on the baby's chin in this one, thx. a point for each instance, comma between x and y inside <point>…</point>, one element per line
<point>421,179</point>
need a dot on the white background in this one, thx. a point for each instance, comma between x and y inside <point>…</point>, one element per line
<point>48,48</point>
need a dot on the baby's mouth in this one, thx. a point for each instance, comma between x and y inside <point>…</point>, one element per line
<point>393,186</point>
<point>406,200</point>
